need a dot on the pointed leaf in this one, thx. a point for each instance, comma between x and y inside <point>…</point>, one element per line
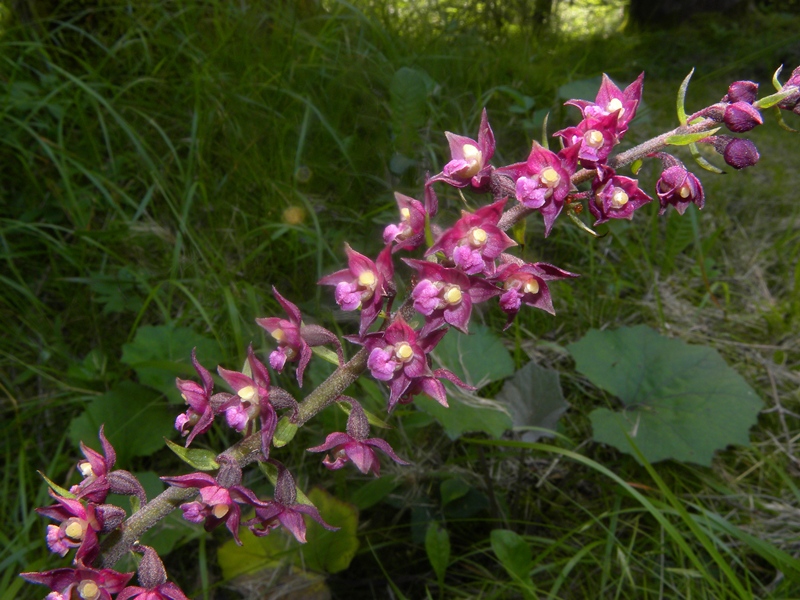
<point>514,554</point>
<point>199,458</point>
<point>64,493</point>
<point>437,546</point>
<point>680,401</point>
<point>477,358</point>
<point>465,414</point>
<point>284,432</point>
<point>331,551</point>
<point>684,139</point>
<point>682,97</point>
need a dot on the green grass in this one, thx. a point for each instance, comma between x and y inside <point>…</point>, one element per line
<point>148,158</point>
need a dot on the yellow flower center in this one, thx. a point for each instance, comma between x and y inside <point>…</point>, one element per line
<point>405,214</point>
<point>220,510</point>
<point>247,392</point>
<point>86,468</point>
<point>549,177</point>
<point>614,105</point>
<point>619,198</point>
<point>531,286</point>
<point>74,530</point>
<point>278,335</point>
<point>367,279</point>
<point>88,590</point>
<point>403,351</point>
<point>474,158</point>
<point>593,138</point>
<point>477,237</point>
<point>453,295</point>
<point>684,191</point>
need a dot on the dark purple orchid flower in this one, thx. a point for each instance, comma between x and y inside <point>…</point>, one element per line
<point>792,101</point>
<point>446,296</point>
<point>610,99</point>
<point>354,446</point>
<point>99,478</point>
<point>475,241</point>
<point>409,233</point>
<point>252,400</point>
<point>295,339</point>
<point>741,91</point>
<point>79,525</point>
<point>220,497</point>
<point>469,163</point>
<point>526,283</point>
<point>543,181</point>
<point>363,284</point>
<point>742,116</point>
<point>200,416</point>
<point>677,186</point>
<point>595,138</point>
<point>88,584</point>
<point>284,511</point>
<point>152,579</point>
<point>614,196</point>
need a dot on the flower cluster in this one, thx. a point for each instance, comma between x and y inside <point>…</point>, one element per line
<point>464,265</point>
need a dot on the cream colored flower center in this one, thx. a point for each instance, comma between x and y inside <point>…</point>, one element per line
<point>220,510</point>
<point>614,105</point>
<point>549,177</point>
<point>86,468</point>
<point>593,138</point>
<point>531,286</point>
<point>367,279</point>
<point>403,351</point>
<point>474,158</point>
<point>453,295</point>
<point>247,392</point>
<point>405,214</point>
<point>477,237</point>
<point>619,198</point>
<point>278,335</point>
<point>88,590</point>
<point>684,191</point>
<point>74,530</point>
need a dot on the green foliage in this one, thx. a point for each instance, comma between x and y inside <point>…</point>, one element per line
<point>478,358</point>
<point>680,401</point>
<point>515,555</point>
<point>136,421</point>
<point>437,547</point>
<point>197,458</point>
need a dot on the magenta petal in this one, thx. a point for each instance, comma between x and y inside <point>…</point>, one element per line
<point>363,458</point>
<point>384,447</point>
<point>333,440</point>
<point>191,480</point>
<point>293,522</point>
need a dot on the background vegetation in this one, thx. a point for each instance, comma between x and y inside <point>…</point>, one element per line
<point>164,164</point>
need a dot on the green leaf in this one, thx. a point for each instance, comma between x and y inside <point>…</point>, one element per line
<point>271,471</point>
<point>680,234</point>
<point>775,81</point>
<point>514,554</point>
<point>200,459</point>
<point>466,414</point>
<point>408,99</point>
<point>478,358</point>
<point>326,354</point>
<point>437,546</point>
<point>534,399</point>
<point>136,419</point>
<point>161,353</point>
<point>63,492</point>
<point>700,160</point>
<point>284,432</point>
<point>331,551</point>
<point>680,401</point>
<point>636,166</point>
<point>772,100</point>
<point>453,489</point>
<point>581,89</point>
<point>370,493</point>
<point>255,553</point>
<point>682,97</point>
<point>684,139</point>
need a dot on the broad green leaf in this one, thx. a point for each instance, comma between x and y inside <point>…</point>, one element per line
<point>331,551</point>
<point>370,493</point>
<point>199,458</point>
<point>680,401</point>
<point>534,399</point>
<point>437,546</point>
<point>453,489</point>
<point>136,420</point>
<point>255,553</point>
<point>514,554</point>
<point>284,432</point>
<point>684,139</point>
<point>161,353</point>
<point>581,89</point>
<point>466,414</point>
<point>477,358</point>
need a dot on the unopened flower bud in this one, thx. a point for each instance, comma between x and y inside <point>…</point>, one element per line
<point>741,116</point>
<point>740,153</point>
<point>742,91</point>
